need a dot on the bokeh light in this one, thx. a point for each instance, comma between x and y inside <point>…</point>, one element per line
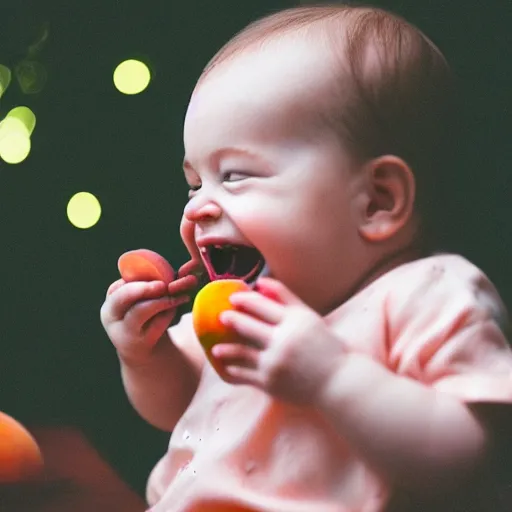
<point>132,76</point>
<point>31,76</point>
<point>15,132</point>
<point>14,146</point>
<point>23,119</point>
<point>84,210</point>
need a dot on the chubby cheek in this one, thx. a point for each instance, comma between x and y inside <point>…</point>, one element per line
<point>270,222</point>
<point>281,244</point>
<point>259,223</point>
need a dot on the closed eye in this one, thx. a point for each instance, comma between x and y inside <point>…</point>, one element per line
<point>231,176</point>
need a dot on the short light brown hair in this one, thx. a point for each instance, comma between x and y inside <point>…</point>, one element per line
<point>401,97</point>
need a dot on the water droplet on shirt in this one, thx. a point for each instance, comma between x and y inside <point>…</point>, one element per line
<point>184,467</point>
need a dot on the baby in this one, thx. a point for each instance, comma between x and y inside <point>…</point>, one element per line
<point>365,368</point>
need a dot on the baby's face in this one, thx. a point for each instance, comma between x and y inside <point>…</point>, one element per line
<point>264,174</point>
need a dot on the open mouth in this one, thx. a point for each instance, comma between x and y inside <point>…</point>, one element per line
<point>232,262</point>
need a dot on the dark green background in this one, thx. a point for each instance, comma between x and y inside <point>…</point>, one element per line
<point>57,365</point>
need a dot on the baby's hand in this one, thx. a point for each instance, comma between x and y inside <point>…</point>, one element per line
<point>136,314</point>
<point>284,347</point>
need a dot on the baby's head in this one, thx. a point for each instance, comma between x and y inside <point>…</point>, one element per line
<point>311,136</point>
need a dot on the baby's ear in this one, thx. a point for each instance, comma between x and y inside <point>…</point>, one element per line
<point>389,193</point>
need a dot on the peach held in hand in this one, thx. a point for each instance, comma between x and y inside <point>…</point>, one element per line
<point>20,456</point>
<point>144,265</point>
<point>209,303</point>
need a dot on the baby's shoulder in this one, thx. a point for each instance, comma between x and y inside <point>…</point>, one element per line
<point>438,268</point>
<point>443,282</point>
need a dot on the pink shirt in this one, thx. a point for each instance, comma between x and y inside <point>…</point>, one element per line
<point>435,320</point>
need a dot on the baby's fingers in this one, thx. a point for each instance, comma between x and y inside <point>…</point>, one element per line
<point>157,325</point>
<point>141,313</point>
<point>182,285</point>
<point>115,286</point>
<point>124,297</point>
<point>191,267</point>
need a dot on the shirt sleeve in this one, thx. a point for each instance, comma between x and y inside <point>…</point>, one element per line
<point>445,329</point>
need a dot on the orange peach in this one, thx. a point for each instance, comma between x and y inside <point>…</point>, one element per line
<point>209,303</point>
<point>20,456</point>
<point>144,265</point>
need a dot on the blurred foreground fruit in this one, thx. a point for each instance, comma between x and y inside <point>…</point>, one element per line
<point>20,456</point>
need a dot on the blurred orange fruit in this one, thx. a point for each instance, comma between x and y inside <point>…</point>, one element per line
<point>20,456</point>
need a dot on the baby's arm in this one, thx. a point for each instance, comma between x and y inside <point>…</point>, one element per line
<point>421,419</point>
<point>159,366</point>
<point>413,435</point>
<point>161,389</point>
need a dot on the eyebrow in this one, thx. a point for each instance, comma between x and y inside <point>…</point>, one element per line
<point>225,151</point>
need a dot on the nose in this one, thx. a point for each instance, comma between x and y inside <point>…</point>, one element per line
<point>201,209</point>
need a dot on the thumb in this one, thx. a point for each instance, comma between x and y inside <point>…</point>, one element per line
<point>158,324</point>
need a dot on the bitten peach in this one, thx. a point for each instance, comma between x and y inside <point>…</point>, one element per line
<point>209,303</point>
<point>20,456</point>
<point>144,265</point>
